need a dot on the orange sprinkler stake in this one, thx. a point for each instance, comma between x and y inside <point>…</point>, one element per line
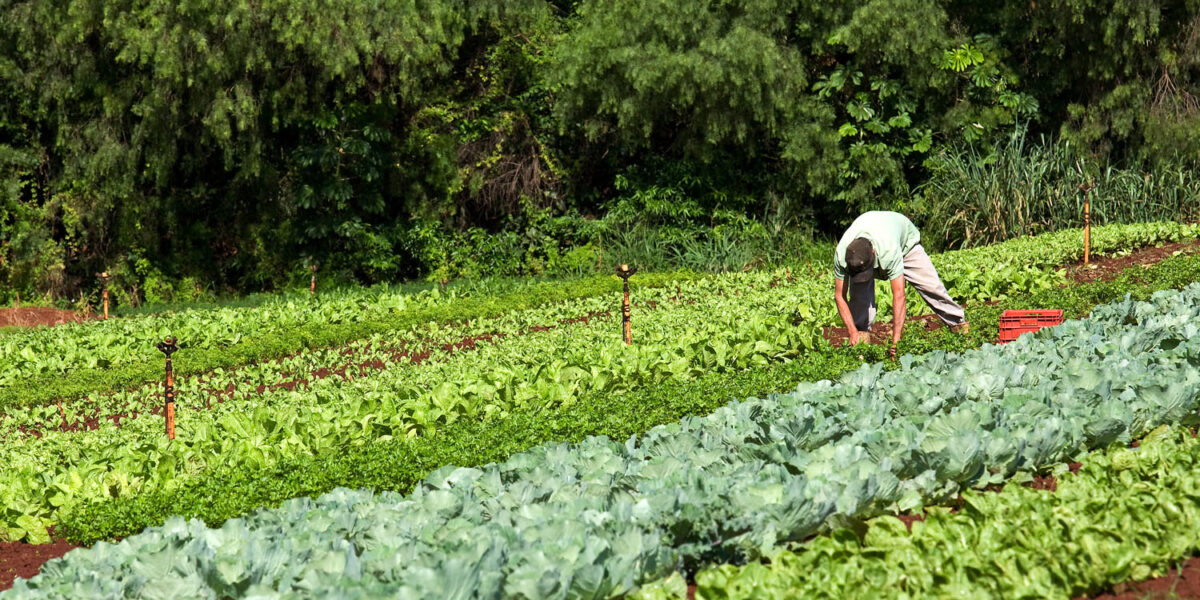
<point>312,284</point>
<point>1086,188</point>
<point>624,272</point>
<point>168,347</point>
<point>104,277</point>
<point>1087,229</point>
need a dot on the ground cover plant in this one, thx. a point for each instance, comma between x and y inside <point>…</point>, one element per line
<point>257,416</point>
<point>596,518</point>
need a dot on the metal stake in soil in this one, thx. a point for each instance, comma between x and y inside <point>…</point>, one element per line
<point>312,284</point>
<point>1087,220</point>
<point>624,272</point>
<point>168,347</point>
<point>104,277</point>
<point>1086,188</point>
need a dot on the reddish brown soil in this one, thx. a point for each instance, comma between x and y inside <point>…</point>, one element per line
<point>1178,584</point>
<point>881,333</point>
<point>1103,269</point>
<point>19,559</point>
<point>36,316</point>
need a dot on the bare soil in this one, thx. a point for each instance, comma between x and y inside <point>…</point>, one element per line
<point>1178,584</point>
<point>1104,269</point>
<point>19,559</point>
<point>39,316</point>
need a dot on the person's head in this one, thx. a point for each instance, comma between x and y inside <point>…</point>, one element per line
<point>860,261</point>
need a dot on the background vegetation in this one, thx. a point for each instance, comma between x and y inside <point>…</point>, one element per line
<point>197,147</point>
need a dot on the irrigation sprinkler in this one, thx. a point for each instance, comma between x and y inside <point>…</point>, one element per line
<point>1087,220</point>
<point>312,283</point>
<point>1086,188</point>
<point>168,347</point>
<point>104,278</point>
<point>624,272</point>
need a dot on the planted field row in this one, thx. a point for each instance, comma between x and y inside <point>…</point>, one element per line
<point>233,488</point>
<point>599,517</point>
<point>104,356</point>
<point>1128,514</point>
<point>41,365</point>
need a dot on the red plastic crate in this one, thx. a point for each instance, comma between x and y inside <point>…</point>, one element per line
<point>1015,322</point>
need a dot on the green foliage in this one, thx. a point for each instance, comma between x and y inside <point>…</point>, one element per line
<point>978,196</point>
<point>739,483</point>
<point>75,360</point>
<point>399,464</point>
<point>1127,515</point>
<point>234,142</point>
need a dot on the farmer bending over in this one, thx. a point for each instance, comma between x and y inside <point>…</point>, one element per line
<point>886,245</point>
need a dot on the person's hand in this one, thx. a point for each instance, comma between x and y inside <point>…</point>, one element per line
<point>859,337</point>
<point>892,352</point>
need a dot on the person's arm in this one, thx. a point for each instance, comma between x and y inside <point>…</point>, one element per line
<point>899,311</point>
<point>843,308</point>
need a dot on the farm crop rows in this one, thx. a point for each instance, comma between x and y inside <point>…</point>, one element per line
<point>1127,514</point>
<point>745,482</point>
<point>413,382</point>
<point>596,519</point>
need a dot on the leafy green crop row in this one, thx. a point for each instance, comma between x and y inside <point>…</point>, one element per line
<point>44,364</point>
<point>596,518</point>
<point>1127,515</point>
<point>235,490</point>
<point>39,366</point>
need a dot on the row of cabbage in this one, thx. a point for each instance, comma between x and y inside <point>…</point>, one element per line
<point>596,519</point>
<point>1129,514</point>
<point>726,322</point>
<point>975,274</point>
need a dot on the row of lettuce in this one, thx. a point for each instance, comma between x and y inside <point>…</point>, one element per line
<point>44,364</point>
<point>597,518</point>
<point>66,362</point>
<point>245,421</point>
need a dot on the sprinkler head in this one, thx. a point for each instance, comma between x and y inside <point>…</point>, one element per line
<point>167,346</point>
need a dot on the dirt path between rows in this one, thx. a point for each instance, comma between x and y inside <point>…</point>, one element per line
<point>19,559</point>
<point>1182,583</point>
<point>38,316</point>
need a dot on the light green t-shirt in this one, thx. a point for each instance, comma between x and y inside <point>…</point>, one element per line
<point>890,233</point>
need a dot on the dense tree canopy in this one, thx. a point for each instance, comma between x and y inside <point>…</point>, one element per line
<point>235,141</point>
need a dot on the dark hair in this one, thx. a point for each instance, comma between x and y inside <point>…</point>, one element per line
<point>859,256</point>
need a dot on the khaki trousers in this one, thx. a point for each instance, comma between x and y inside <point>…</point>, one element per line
<point>919,272</point>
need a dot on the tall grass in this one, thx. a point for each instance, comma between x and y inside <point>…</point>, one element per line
<point>976,197</point>
<point>712,250</point>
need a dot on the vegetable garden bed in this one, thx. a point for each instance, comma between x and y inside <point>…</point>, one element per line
<point>673,379</point>
<point>761,527</point>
